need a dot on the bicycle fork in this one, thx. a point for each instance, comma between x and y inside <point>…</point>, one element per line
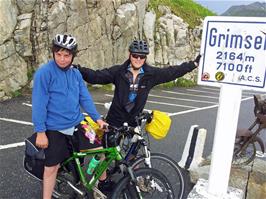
<point>147,157</point>
<point>134,180</point>
<point>149,164</point>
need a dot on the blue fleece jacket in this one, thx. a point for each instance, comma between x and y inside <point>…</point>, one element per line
<point>57,96</point>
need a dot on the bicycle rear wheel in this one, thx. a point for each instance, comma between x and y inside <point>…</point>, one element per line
<point>243,156</point>
<point>151,184</point>
<point>169,168</point>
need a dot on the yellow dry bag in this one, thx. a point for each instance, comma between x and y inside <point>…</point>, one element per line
<point>159,125</point>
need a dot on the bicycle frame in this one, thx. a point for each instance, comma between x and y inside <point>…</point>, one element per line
<point>111,154</point>
<point>138,140</point>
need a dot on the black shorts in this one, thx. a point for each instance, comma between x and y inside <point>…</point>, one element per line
<point>61,146</point>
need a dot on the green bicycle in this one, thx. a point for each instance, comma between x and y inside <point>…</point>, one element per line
<point>73,182</point>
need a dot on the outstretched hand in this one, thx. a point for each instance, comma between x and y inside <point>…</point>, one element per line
<point>197,60</point>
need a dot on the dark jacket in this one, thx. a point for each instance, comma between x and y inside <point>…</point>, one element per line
<point>153,76</point>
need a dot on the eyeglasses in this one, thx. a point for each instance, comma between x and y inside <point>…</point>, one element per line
<point>136,56</point>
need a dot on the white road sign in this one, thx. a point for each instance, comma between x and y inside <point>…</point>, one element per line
<point>234,52</point>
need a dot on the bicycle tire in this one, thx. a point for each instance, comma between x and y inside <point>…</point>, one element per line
<point>169,168</point>
<point>149,181</point>
<point>245,156</point>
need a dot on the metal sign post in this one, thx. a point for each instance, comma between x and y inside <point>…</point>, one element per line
<point>234,58</point>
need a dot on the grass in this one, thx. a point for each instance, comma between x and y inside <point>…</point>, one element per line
<point>182,82</point>
<point>30,73</point>
<point>190,11</point>
<point>16,93</point>
<point>179,82</point>
<point>106,87</point>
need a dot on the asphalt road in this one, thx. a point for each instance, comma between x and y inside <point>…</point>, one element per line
<point>186,106</point>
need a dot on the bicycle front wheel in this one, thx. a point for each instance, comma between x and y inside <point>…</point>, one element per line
<point>243,156</point>
<point>149,183</point>
<point>169,168</point>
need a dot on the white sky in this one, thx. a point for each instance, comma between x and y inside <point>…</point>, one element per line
<point>219,6</point>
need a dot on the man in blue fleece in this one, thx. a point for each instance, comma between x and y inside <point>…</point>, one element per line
<point>58,92</point>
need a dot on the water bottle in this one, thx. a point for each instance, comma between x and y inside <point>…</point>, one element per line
<point>93,164</point>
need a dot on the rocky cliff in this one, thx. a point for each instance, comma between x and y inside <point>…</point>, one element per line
<point>104,29</point>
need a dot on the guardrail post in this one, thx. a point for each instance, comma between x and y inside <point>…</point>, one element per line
<point>198,149</point>
<point>185,156</point>
<point>192,153</point>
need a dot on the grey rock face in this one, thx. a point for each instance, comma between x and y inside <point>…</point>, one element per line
<point>104,30</point>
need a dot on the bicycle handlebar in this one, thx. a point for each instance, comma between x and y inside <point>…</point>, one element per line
<point>127,130</point>
<point>130,131</point>
<point>146,116</point>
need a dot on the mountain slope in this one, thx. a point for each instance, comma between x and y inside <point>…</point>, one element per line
<point>257,9</point>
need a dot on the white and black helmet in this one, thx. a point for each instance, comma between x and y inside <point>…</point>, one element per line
<point>66,41</point>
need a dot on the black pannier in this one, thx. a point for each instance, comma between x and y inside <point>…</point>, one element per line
<point>34,158</point>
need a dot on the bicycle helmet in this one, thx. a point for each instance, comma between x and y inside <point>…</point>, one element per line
<point>159,125</point>
<point>66,41</point>
<point>139,46</point>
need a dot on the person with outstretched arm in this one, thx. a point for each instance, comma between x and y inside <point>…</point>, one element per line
<point>133,81</point>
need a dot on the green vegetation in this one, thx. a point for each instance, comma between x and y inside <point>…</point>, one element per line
<point>166,85</point>
<point>106,87</point>
<point>188,10</point>
<point>179,82</point>
<point>182,82</point>
<point>16,93</point>
<point>30,73</point>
